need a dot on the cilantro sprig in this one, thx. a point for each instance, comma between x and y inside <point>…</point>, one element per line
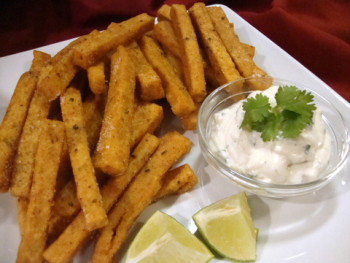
<point>293,112</point>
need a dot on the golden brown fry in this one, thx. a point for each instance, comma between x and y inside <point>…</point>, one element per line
<point>56,76</point>
<point>189,122</point>
<point>97,78</point>
<point>176,63</point>
<point>68,243</point>
<point>47,161</point>
<point>137,197</point>
<point>219,58</point>
<point>113,148</point>
<point>12,124</point>
<point>40,59</point>
<point>84,173</point>
<point>249,49</point>
<point>244,62</point>
<point>163,32</point>
<point>92,51</point>
<point>177,181</point>
<point>147,118</point>
<point>150,83</point>
<point>163,12</point>
<point>178,97</point>
<point>24,160</point>
<point>22,206</point>
<point>190,54</point>
<point>93,109</point>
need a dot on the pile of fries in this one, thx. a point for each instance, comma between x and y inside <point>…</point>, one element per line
<point>78,141</point>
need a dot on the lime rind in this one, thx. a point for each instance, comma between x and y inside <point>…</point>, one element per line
<point>163,238</point>
<point>228,229</point>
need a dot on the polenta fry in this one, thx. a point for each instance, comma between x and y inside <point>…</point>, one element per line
<point>84,173</point>
<point>150,83</point>
<point>24,160</point>
<point>92,51</point>
<point>177,181</point>
<point>163,32</point>
<point>113,148</point>
<point>97,78</point>
<point>147,118</point>
<point>178,97</point>
<point>56,76</point>
<point>163,12</point>
<point>47,161</point>
<point>219,58</point>
<point>189,122</point>
<point>244,62</point>
<point>136,198</point>
<point>22,206</point>
<point>68,243</point>
<point>12,125</point>
<point>190,54</point>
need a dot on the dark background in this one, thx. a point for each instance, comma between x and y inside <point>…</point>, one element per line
<point>315,32</point>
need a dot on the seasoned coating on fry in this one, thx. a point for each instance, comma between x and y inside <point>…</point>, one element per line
<point>97,78</point>
<point>176,93</point>
<point>23,164</point>
<point>244,62</point>
<point>113,148</point>
<point>40,59</point>
<point>190,53</point>
<point>84,173</point>
<point>163,12</point>
<point>150,83</point>
<point>47,161</point>
<point>163,32</point>
<point>189,122</point>
<point>93,109</point>
<point>68,243</point>
<point>56,76</point>
<point>137,197</point>
<point>147,118</point>
<point>12,125</point>
<point>92,51</point>
<point>219,58</point>
<point>177,181</point>
<point>22,206</point>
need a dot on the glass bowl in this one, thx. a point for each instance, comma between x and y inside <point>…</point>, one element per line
<point>226,95</point>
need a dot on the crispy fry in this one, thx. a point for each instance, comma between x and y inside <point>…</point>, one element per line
<point>84,174</point>
<point>40,59</point>
<point>24,160</point>
<point>244,62</point>
<point>163,12</point>
<point>249,49</point>
<point>68,243</point>
<point>12,125</point>
<point>178,97</point>
<point>47,161</point>
<point>136,198</point>
<point>92,51</point>
<point>176,63</point>
<point>163,32</point>
<point>219,58</point>
<point>113,148</point>
<point>189,122</point>
<point>177,181</point>
<point>190,54</point>
<point>22,206</point>
<point>147,118</point>
<point>93,108</point>
<point>56,76</point>
<point>150,83</point>
<point>97,78</point>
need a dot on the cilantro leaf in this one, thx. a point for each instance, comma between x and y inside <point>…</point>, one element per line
<point>257,109</point>
<point>292,113</point>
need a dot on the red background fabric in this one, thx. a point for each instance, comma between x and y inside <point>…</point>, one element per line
<point>315,32</point>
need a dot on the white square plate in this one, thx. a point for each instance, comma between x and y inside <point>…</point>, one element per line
<point>310,228</point>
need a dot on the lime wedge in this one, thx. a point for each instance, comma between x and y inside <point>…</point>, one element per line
<point>228,228</point>
<point>163,239</point>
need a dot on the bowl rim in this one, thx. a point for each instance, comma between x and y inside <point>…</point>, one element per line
<point>232,174</point>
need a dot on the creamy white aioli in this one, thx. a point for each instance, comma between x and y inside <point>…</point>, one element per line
<point>283,161</point>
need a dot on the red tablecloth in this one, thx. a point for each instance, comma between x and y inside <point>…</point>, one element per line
<point>315,32</point>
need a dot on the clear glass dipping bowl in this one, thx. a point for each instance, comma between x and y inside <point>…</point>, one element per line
<point>220,98</point>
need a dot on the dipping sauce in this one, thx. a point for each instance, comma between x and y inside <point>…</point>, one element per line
<point>282,161</point>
